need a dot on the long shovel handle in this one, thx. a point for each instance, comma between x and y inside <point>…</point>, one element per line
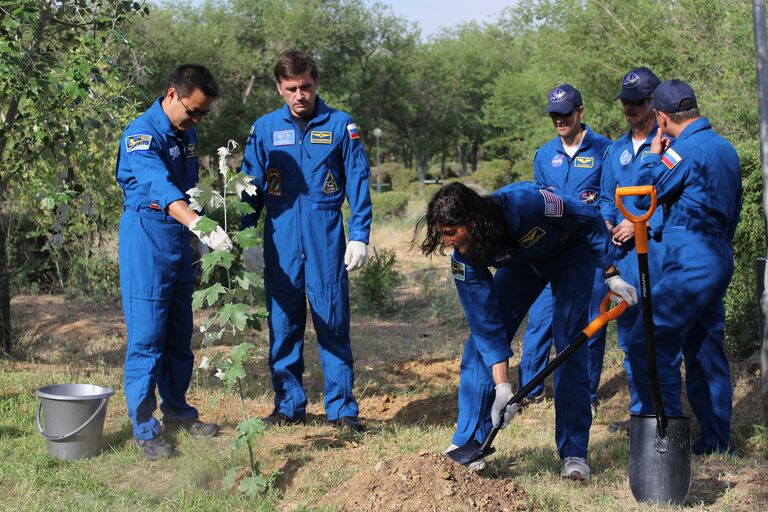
<point>641,246</point>
<point>606,314</point>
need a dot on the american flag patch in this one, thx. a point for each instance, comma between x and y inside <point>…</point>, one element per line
<point>553,204</point>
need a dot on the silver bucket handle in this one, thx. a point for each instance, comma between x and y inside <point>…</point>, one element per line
<point>78,429</point>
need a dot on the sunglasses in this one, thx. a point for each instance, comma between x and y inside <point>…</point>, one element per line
<point>557,115</point>
<point>193,113</point>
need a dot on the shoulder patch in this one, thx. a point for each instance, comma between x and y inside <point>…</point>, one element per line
<point>318,137</point>
<point>458,270</point>
<point>330,187</point>
<point>138,142</point>
<point>274,183</point>
<point>284,138</point>
<point>670,158</point>
<point>191,150</point>
<point>553,204</point>
<point>584,162</point>
<point>352,129</point>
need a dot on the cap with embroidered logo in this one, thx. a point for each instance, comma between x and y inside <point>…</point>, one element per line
<point>563,99</point>
<point>673,96</point>
<point>637,85</point>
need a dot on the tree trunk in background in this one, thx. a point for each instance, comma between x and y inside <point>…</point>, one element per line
<point>463,158</point>
<point>6,332</point>
<point>474,156</point>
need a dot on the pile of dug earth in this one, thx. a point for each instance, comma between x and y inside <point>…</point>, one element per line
<point>426,482</point>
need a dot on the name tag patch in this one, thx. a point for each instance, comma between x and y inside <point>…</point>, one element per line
<point>318,137</point>
<point>458,270</point>
<point>191,150</point>
<point>138,142</point>
<point>584,162</point>
<point>284,138</point>
<point>532,237</point>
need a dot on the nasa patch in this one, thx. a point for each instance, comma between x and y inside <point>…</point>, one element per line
<point>632,79</point>
<point>625,157</point>
<point>557,160</point>
<point>588,196</point>
<point>557,96</point>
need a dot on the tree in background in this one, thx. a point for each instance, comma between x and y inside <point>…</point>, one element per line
<point>62,100</point>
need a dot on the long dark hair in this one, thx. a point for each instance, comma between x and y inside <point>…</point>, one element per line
<point>458,205</point>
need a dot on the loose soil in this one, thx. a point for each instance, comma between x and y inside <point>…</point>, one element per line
<point>426,482</point>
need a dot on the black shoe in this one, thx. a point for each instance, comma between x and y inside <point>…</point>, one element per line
<point>348,423</point>
<point>619,426</point>
<point>155,448</point>
<point>196,428</point>
<point>278,419</point>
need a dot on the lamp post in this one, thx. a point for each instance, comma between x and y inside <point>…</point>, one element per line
<point>377,135</point>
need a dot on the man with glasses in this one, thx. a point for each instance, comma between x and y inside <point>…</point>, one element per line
<point>306,159</point>
<point>619,170</point>
<point>698,182</point>
<point>156,164</point>
<point>570,165</point>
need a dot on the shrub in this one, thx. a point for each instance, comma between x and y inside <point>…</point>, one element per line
<point>401,178</point>
<point>741,301</point>
<point>437,286</point>
<point>387,170</point>
<point>493,174</point>
<point>376,283</point>
<point>389,205</point>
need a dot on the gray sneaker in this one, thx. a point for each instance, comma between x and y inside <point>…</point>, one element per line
<point>575,468</point>
<point>477,465</point>
<point>196,428</point>
<point>155,448</point>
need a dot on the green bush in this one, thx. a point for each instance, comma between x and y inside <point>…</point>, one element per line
<point>741,302</point>
<point>387,170</point>
<point>437,286</point>
<point>493,174</point>
<point>376,283</point>
<point>401,178</point>
<point>389,205</point>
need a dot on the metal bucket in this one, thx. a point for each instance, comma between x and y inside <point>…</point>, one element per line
<point>660,468</point>
<point>74,419</point>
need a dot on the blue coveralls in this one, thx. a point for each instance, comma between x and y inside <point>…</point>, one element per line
<point>155,166</point>
<point>699,183</point>
<point>577,178</point>
<point>619,170</point>
<point>548,239</point>
<point>302,181</point>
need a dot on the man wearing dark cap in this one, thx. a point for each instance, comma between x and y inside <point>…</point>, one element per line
<point>570,165</point>
<point>698,182</point>
<point>619,168</point>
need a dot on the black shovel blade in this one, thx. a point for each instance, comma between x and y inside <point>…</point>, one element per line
<point>469,453</point>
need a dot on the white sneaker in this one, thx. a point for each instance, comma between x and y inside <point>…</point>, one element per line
<point>575,468</point>
<point>477,465</point>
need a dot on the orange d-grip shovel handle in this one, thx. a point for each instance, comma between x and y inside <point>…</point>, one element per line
<point>606,315</point>
<point>641,232</point>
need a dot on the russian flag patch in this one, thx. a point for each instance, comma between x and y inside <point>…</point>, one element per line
<point>352,129</point>
<point>553,204</point>
<point>671,158</point>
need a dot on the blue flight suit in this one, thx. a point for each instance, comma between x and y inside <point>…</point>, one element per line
<point>155,167</point>
<point>577,178</point>
<point>302,180</point>
<point>619,170</point>
<point>698,181</point>
<point>548,239</point>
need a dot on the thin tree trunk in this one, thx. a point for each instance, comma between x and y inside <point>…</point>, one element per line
<point>463,157</point>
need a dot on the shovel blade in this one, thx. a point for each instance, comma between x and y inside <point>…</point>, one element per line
<point>469,453</point>
<point>659,469</point>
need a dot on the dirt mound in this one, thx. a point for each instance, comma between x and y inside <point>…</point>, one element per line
<point>426,482</point>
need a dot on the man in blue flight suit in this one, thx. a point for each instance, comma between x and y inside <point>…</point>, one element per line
<point>698,181</point>
<point>305,159</point>
<point>570,165</point>
<point>156,165</point>
<point>619,170</point>
<point>533,237</point>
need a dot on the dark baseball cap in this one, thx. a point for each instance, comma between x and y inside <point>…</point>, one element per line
<point>638,84</point>
<point>563,99</point>
<point>672,96</point>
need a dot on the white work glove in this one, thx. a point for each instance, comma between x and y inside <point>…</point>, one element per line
<point>253,259</point>
<point>356,255</point>
<point>218,240</point>
<point>623,289</point>
<point>500,408</point>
